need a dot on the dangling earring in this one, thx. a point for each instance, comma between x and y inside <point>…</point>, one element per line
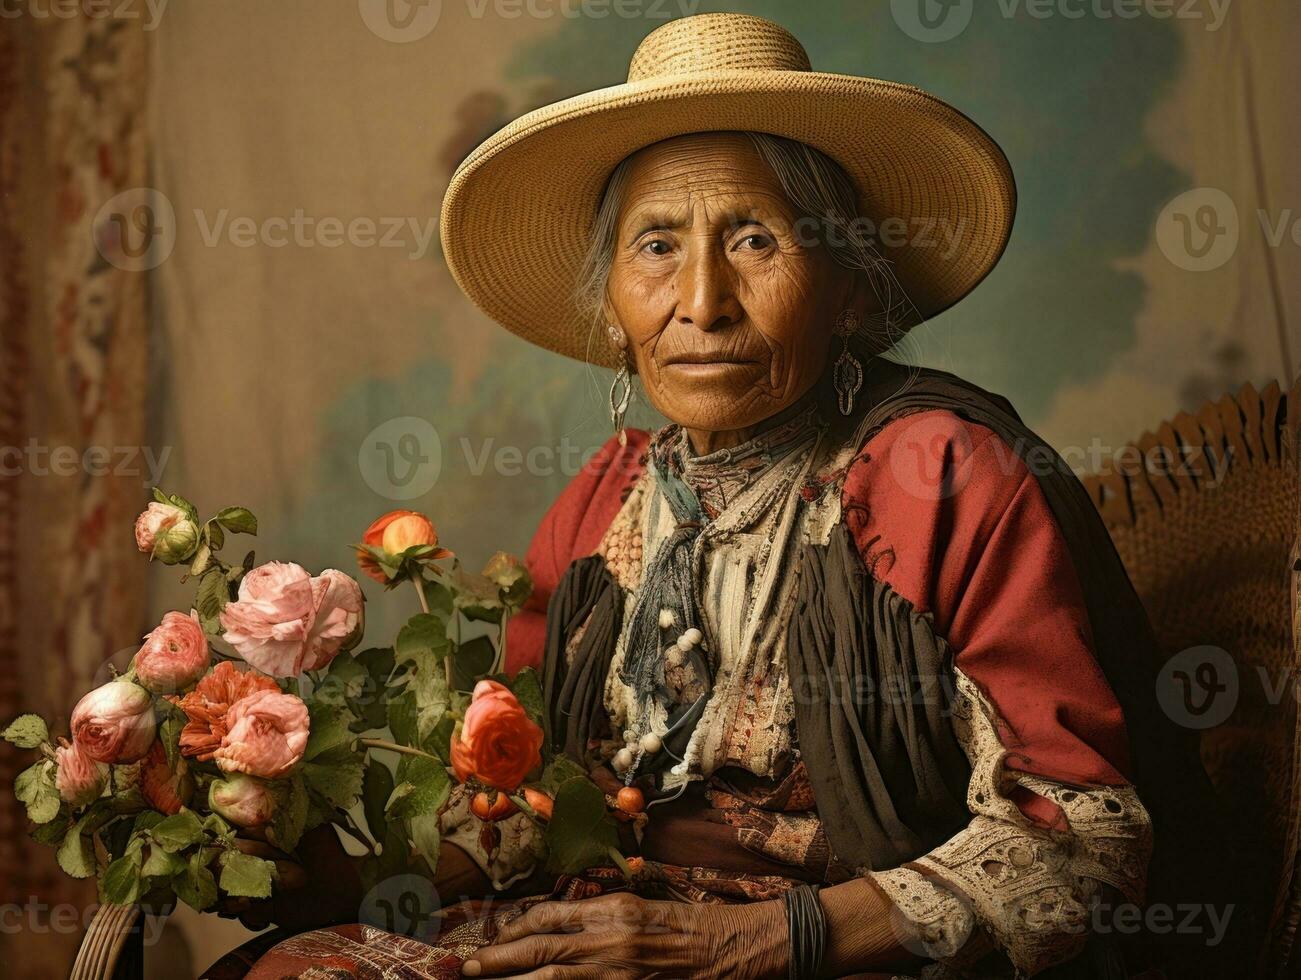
<point>848,372</point>
<point>621,389</point>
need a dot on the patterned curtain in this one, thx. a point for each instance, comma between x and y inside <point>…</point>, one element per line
<point>73,136</point>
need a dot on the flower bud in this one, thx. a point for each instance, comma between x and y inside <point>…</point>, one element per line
<point>511,576</point>
<point>167,533</point>
<point>115,722</point>
<point>243,800</point>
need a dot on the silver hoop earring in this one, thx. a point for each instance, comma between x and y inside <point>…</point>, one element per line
<point>847,375</point>
<point>620,396</point>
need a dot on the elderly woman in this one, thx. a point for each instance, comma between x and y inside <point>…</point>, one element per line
<point>854,629</point>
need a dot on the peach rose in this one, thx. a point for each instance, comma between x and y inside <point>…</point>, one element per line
<point>394,533</point>
<point>115,723</point>
<point>174,656</point>
<point>497,743</point>
<point>244,801</point>
<point>287,621</point>
<point>266,734</point>
<point>166,533</point>
<point>80,779</point>
<point>164,790</point>
<point>206,706</point>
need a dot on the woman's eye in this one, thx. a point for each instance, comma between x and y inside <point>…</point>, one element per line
<point>657,246</point>
<point>754,243</point>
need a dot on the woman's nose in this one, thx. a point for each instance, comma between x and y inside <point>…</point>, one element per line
<point>707,291</point>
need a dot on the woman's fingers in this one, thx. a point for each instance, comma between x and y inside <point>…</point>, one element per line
<point>525,955</point>
<point>541,918</point>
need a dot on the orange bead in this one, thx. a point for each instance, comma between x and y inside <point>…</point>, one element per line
<point>485,809</point>
<point>630,800</point>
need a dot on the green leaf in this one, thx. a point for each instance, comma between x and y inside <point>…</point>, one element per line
<point>527,688</point>
<point>395,854</point>
<point>291,815</point>
<point>336,775</point>
<point>27,731</point>
<point>196,886</point>
<point>244,875</point>
<point>177,832</point>
<point>211,599</point>
<point>176,500</point>
<point>121,882</point>
<point>429,787</point>
<point>147,820</point>
<point>238,520</point>
<point>423,636</point>
<point>427,839</point>
<point>403,719</point>
<point>161,864</point>
<point>169,733</point>
<point>472,661</point>
<point>329,729</point>
<point>581,832</point>
<point>477,597</point>
<point>52,832</point>
<point>214,535</point>
<point>560,771</point>
<point>430,689</point>
<point>76,856</point>
<point>202,559</point>
<point>439,741</point>
<point>35,787</point>
<point>376,788</point>
<point>439,599</point>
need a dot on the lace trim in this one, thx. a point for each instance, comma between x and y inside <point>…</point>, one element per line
<point>1029,888</point>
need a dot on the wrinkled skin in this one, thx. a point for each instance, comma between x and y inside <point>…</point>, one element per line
<point>728,305</point>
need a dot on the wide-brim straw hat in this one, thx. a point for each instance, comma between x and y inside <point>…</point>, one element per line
<point>519,211</point>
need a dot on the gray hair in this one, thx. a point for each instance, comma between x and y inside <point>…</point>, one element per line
<point>820,190</point>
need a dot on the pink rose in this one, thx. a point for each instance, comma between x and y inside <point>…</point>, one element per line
<point>286,621</point>
<point>166,533</point>
<point>266,734</point>
<point>115,723</point>
<point>174,655</point>
<point>244,801</point>
<point>80,779</point>
<point>498,743</point>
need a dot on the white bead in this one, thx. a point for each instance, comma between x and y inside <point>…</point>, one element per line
<point>650,742</point>
<point>623,759</point>
<point>693,636</point>
<point>667,619</point>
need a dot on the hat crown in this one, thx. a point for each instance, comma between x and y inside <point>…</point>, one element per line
<point>717,42</point>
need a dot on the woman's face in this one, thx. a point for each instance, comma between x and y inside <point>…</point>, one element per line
<point>728,309</point>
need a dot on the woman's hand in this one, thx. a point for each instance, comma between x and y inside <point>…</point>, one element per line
<point>621,935</point>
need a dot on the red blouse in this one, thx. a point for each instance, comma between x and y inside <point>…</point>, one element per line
<point>947,515</point>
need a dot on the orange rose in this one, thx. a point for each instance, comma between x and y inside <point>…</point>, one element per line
<point>207,704</point>
<point>394,533</point>
<point>163,789</point>
<point>498,743</point>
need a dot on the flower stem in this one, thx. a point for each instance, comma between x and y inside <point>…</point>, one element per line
<point>379,743</point>
<point>619,860</point>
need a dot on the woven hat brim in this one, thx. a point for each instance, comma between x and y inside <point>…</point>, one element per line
<point>519,210</point>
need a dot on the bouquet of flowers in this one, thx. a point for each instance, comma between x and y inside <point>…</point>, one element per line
<point>256,714</point>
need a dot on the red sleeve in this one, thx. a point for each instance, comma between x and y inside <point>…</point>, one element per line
<point>949,516</point>
<point>572,528</point>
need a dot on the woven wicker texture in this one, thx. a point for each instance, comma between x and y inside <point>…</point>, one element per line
<point>518,212</point>
<point>1206,527</point>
